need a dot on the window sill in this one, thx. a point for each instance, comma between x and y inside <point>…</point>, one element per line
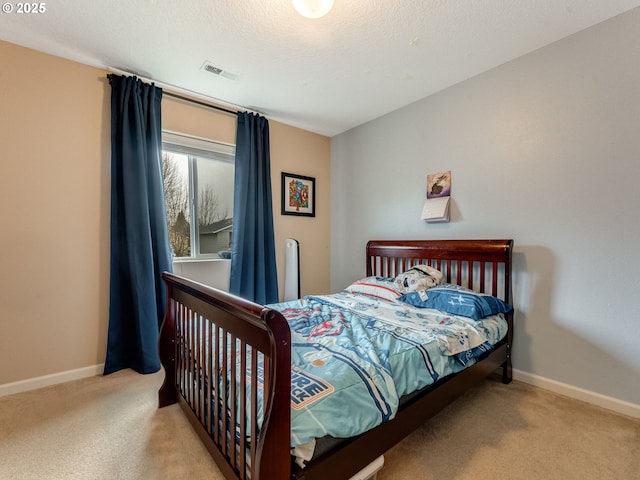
<point>200,260</point>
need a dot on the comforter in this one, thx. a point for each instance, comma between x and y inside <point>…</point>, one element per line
<point>354,356</point>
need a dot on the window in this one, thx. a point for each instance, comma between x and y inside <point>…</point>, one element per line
<point>198,180</point>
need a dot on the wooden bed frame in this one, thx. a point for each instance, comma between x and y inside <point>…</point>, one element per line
<point>202,323</point>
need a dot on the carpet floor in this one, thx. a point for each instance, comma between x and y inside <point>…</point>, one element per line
<point>110,428</point>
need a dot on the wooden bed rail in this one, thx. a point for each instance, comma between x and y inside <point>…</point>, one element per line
<point>207,332</point>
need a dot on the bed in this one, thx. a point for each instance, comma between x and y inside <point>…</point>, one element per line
<point>211,344</point>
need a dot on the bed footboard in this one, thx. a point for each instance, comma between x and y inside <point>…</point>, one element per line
<point>227,362</point>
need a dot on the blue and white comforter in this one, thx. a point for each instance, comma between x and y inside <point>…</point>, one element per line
<point>354,356</point>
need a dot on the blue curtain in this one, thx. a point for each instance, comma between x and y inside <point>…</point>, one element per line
<point>253,252</point>
<point>140,249</point>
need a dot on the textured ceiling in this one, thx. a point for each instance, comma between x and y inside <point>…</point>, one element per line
<point>364,59</point>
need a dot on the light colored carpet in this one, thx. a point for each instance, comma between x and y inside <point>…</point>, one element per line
<point>110,428</point>
<point>518,432</point>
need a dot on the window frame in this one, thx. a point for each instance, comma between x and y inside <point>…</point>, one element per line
<point>194,148</point>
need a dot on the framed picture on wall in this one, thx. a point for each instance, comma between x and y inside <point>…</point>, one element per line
<point>439,184</point>
<point>298,195</point>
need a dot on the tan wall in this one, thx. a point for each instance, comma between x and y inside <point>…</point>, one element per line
<point>304,153</point>
<point>54,205</point>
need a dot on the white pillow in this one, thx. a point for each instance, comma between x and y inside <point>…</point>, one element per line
<point>379,287</point>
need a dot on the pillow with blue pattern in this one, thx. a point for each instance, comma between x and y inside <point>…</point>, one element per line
<point>457,300</point>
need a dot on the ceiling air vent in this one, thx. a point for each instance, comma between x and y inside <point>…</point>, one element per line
<point>219,71</point>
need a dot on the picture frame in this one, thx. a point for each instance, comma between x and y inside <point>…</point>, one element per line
<point>298,195</point>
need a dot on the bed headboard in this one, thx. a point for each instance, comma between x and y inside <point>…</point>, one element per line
<point>482,265</point>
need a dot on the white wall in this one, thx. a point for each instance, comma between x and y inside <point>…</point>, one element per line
<point>545,150</point>
<point>214,273</point>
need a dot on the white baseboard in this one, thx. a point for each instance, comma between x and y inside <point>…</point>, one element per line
<point>610,403</point>
<point>48,380</point>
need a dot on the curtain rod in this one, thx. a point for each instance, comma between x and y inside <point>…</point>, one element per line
<point>167,86</point>
<point>198,102</point>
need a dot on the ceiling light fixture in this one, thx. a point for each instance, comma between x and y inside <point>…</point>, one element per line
<point>312,8</point>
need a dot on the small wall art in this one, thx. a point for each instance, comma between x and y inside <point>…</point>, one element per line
<point>436,205</point>
<point>298,195</point>
<point>439,184</point>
